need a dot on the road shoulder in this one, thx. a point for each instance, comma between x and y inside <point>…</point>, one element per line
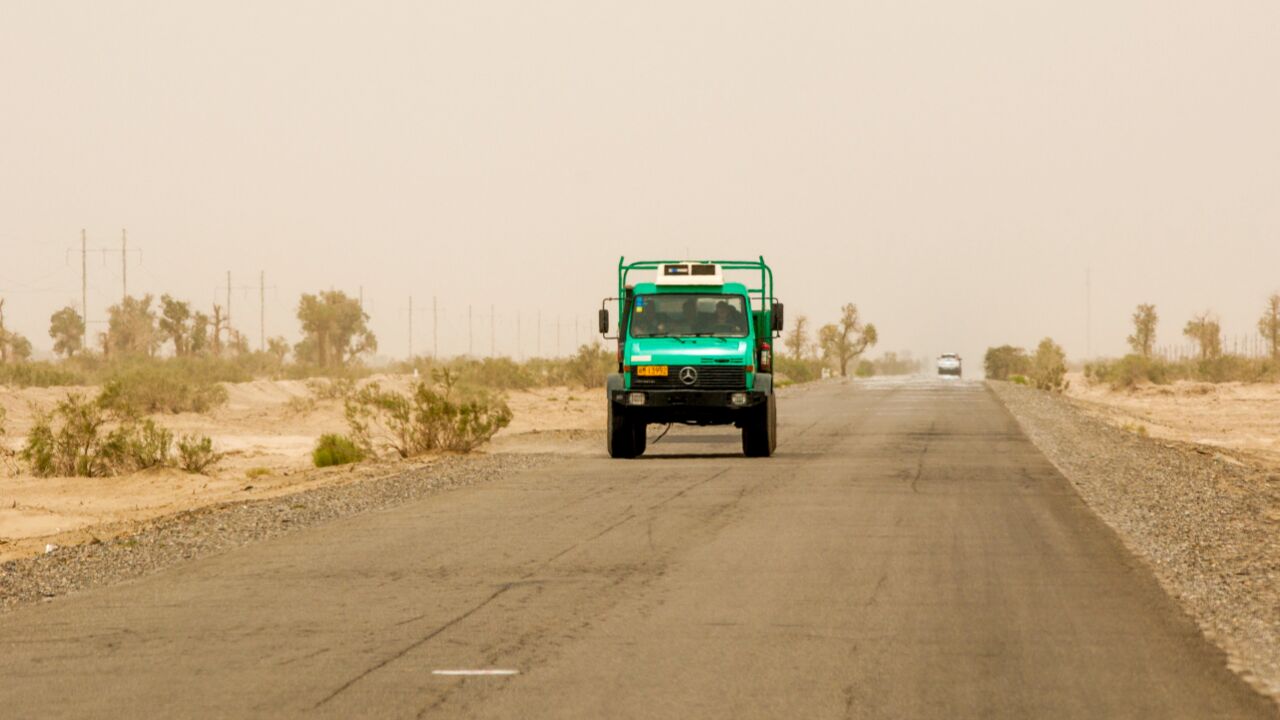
<point>1205,521</point>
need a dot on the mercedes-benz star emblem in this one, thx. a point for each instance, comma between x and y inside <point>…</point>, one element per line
<point>688,375</point>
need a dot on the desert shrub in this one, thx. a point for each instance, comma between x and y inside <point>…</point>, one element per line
<point>335,450</point>
<point>39,374</point>
<point>138,446</point>
<point>1127,372</point>
<point>69,441</point>
<point>333,388</point>
<point>301,405</point>
<point>1049,367</point>
<point>1019,380</point>
<point>590,366</point>
<point>423,420</point>
<point>4,415</point>
<point>195,453</point>
<point>254,473</point>
<point>73,440</point>
<point>865,368</point>
<point>166,388</point>
<point>1001,362</point>
<point>498,373</point>
<point>797,370</point>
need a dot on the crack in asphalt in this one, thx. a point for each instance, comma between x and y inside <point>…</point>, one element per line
<point>414,645</point>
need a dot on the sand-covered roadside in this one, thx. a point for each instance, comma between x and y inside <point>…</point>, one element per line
<point>1243,418</point>
<point>266,432</point>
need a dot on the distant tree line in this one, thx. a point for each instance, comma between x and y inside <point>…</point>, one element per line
<point>335,331</point>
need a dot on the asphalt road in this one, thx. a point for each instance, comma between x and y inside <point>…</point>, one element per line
<point>906,554</point>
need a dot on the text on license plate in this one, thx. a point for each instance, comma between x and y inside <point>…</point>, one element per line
<point>651,370</point>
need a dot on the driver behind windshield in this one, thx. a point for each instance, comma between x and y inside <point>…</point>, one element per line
<point>727,320</point>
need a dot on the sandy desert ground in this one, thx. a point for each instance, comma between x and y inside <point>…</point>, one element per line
<point>266,431</point>
<point>1243,419</point>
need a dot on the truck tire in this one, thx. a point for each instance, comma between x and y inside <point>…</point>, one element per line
<point>620,435</point>
<point>641,439</point>
<point>760,433</point>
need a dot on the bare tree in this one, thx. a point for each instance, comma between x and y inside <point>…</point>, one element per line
<point>1206,333</point>
<point>219,323</point>
<point>1143,338</point>
<point>798,338</point>
<point>843,341</point>
<point>1269,325</point>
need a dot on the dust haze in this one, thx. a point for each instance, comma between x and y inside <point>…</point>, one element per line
<point>955,169</point>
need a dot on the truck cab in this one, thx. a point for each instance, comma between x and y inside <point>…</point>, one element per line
<point>694,347</point>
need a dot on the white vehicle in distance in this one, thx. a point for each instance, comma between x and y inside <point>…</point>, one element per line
<point>949,364</point>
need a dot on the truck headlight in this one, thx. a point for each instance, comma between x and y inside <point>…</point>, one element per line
<point>738,399</point>
<point>635,399</point>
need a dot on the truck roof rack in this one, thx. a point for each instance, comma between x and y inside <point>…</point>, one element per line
<point>764,292</point>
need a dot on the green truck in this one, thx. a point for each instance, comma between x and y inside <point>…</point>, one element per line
<point>693,348</point>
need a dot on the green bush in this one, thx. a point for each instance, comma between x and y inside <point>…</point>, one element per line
<point>335,450</point>
<point>73,441</point>
<point>1127,372</point>
<point>141,389</point>
<point>335,388</point>
<point>1132,370</point>
<point>195,453</point>
<point>1001,362</point>
<point>150,445</point>
<point>1049,367</point>
<point>801,371</point>
<point>69,441</point>
<point>424,420</point>
<point>38,374</point>
<point>1019,380</point>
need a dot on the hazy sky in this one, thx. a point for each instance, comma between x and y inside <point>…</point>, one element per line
<point>951,167</point>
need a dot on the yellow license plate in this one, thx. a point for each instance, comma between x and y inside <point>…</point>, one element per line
<point>651,370</point>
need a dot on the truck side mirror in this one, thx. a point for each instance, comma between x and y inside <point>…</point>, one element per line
<point>777,317</point>
<point>604,321</point>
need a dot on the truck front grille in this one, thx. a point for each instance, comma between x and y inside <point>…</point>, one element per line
<point>710,377</point>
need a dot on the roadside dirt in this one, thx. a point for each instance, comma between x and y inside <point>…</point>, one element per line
<point>266,431</point>
<point>1242,418</point>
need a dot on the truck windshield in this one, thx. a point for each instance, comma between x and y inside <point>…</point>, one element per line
<point>688,315</point>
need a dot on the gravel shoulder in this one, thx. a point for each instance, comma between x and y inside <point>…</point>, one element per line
<point>161,542</point>
<point>1205,519</point>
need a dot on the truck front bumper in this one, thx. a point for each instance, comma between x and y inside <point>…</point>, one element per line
<point>694,407</point>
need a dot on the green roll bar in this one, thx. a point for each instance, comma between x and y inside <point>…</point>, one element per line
<point>764,292</point>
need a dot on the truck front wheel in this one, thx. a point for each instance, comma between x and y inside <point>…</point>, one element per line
<point>760,432</point>
<point>625,437</point>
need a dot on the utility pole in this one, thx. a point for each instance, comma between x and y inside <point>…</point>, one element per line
<point>124,264</point>
<point>84,273</point>
<point>84,290</point>
<point>410,328</point>
<point>435,325</point>
<point>1088,313</point>
<point>493,334</point>
<point>471,335</point>
<point>262,310</point>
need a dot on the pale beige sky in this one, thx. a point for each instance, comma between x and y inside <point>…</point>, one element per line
<point>951,167</point>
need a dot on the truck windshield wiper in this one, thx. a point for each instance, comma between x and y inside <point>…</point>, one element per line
<point>721,338</point>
